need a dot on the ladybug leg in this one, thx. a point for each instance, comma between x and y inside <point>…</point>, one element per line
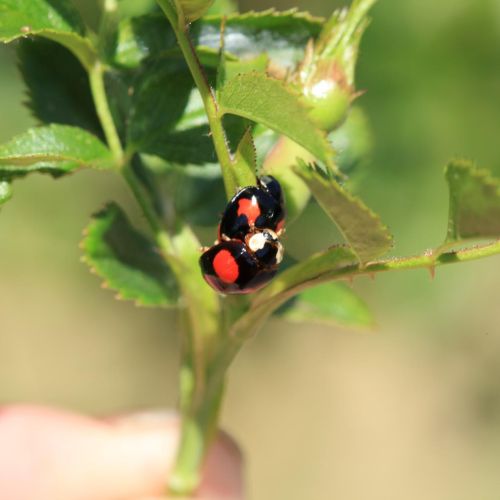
<point>204,249</point>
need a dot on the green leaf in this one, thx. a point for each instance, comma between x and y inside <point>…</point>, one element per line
<point>5,192</point>
<point>234,68</point>
<point>195,193</point>
<point>37,15</point>
<point>269,102</point>
<point>222,7</point>
<point>282,35</point>
<point>160,95</point>
<point>57,20</point>
<point>55,149</point>
<point>245,161</point>
<point>193,146</point>
<point>143,37</point>
<point>129,263</point>
<point>228,69</point>
<point>58,86</point>
<point>199,194</point>
<point>361,228</point>
<point>474,202</point>
<point>330,303</point>
<point>119,86</point>
<point>166,116</point>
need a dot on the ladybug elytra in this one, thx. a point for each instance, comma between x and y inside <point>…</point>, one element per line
<point>253,207</point>
<point>270,184</point>
<point>229,267</point>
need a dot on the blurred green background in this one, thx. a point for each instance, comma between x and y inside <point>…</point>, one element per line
<point>411,411</point>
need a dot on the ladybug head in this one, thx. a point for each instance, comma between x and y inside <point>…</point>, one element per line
<point>266,247</point>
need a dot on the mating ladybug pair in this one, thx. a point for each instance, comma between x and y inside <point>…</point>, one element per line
<point>248,251</point>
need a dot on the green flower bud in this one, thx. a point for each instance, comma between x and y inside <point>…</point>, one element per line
<point>326,75</point>
<point>329,94</point>
<point>194,9</point>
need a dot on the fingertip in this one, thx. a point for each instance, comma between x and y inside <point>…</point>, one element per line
<point>223,471</point>
<point>49,454</point>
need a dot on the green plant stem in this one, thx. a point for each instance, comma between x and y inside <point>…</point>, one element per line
<point>199,410</point>
<point>432,258</point>
<point>265,303</point>
<point>199,426</point>
<point>96,77</point>
<point>224,156</point>
<point>347,268</point>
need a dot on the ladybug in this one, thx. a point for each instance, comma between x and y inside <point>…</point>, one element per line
<point>270,184</point>
<point>266,247</point>
<point>230,267</point>
<point>254,207</point>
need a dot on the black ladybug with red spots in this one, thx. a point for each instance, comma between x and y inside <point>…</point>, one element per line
<point>230,267</point>
<point>253,207</point>
<point>248,252</point>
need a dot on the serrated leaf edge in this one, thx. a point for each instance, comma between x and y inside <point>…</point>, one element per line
<point>328,160</point>
<point>361,205</point>
<point>293,13</point>
<point>483,175</point>
<point>41,157</point>
<point>107,284</point>
<point>470,166</point>
<point>86,56</point>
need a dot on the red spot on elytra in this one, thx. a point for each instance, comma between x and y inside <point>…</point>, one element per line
<point>250,208</point>
<point>225,266</point>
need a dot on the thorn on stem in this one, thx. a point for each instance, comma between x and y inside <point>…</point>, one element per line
<point>432,271</point>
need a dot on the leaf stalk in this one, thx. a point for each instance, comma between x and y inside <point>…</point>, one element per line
<point>96,77</point>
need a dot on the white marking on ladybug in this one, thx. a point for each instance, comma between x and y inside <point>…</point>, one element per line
<point>279,253</point>
<point>271,233</point>
<point>257,242</point>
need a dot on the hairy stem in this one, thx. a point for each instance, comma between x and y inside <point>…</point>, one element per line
<point>207,95</point>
